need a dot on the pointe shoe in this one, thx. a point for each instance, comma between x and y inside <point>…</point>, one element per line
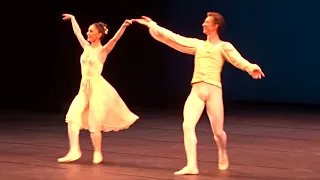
<point>223,162</point>
<point>97,157</point>
<point>71,156</point>
<point>187,171</point>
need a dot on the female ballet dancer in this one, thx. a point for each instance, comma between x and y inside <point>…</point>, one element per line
<point>210,56</point>
<point>97,106</point>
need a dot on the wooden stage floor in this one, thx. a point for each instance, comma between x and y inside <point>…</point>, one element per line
<point>262,144</point>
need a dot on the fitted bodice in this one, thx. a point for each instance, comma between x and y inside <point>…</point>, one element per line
<point>91,65</point>
<point>208,57</point>
<point>208,64</point>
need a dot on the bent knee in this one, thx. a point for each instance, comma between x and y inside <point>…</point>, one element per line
<point>188,127</point>
<point>219,133</point>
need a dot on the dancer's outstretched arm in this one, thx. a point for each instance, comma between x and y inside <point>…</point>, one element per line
<point>113,41</point>
<point>76,29</point>
<point>234,57</point>
<point>175,41</point>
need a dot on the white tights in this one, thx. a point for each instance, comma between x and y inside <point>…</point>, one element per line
<point>203,94</point>
<point>75,152</point>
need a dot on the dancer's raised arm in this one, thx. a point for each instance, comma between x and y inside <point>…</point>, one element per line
<point>76,29</point>
<point>113,41</point>
<point>175,41</point>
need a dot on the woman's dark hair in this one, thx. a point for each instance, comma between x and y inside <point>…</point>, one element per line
<point>102,28</point>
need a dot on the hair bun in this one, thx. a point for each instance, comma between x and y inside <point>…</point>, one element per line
<point>104,27</point>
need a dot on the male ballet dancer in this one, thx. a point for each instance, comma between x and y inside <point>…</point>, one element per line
<point>210,56</point>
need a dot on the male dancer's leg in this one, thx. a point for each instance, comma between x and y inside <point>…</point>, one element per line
<point>215,111</point>
<point>192,112</point>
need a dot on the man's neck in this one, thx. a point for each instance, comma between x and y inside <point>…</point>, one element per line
<point>213,38</point>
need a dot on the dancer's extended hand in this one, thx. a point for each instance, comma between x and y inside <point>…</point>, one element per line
<point>126,23</point>
<point>144,20</point>
<point>256,72</point>
<point>67,16</point>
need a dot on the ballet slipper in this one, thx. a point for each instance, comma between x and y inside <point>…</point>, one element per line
<point>223,162</point>
<point>97,157</point>
<point>187,171</point>
<point>70,157</point>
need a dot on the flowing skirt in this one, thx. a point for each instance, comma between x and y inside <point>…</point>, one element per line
<point>98,107</point>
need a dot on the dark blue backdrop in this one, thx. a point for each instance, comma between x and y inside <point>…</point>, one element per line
<point>280,35</point>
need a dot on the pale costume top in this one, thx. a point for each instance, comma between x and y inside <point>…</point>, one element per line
<point>209,58</point>
<point>98,106</point>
